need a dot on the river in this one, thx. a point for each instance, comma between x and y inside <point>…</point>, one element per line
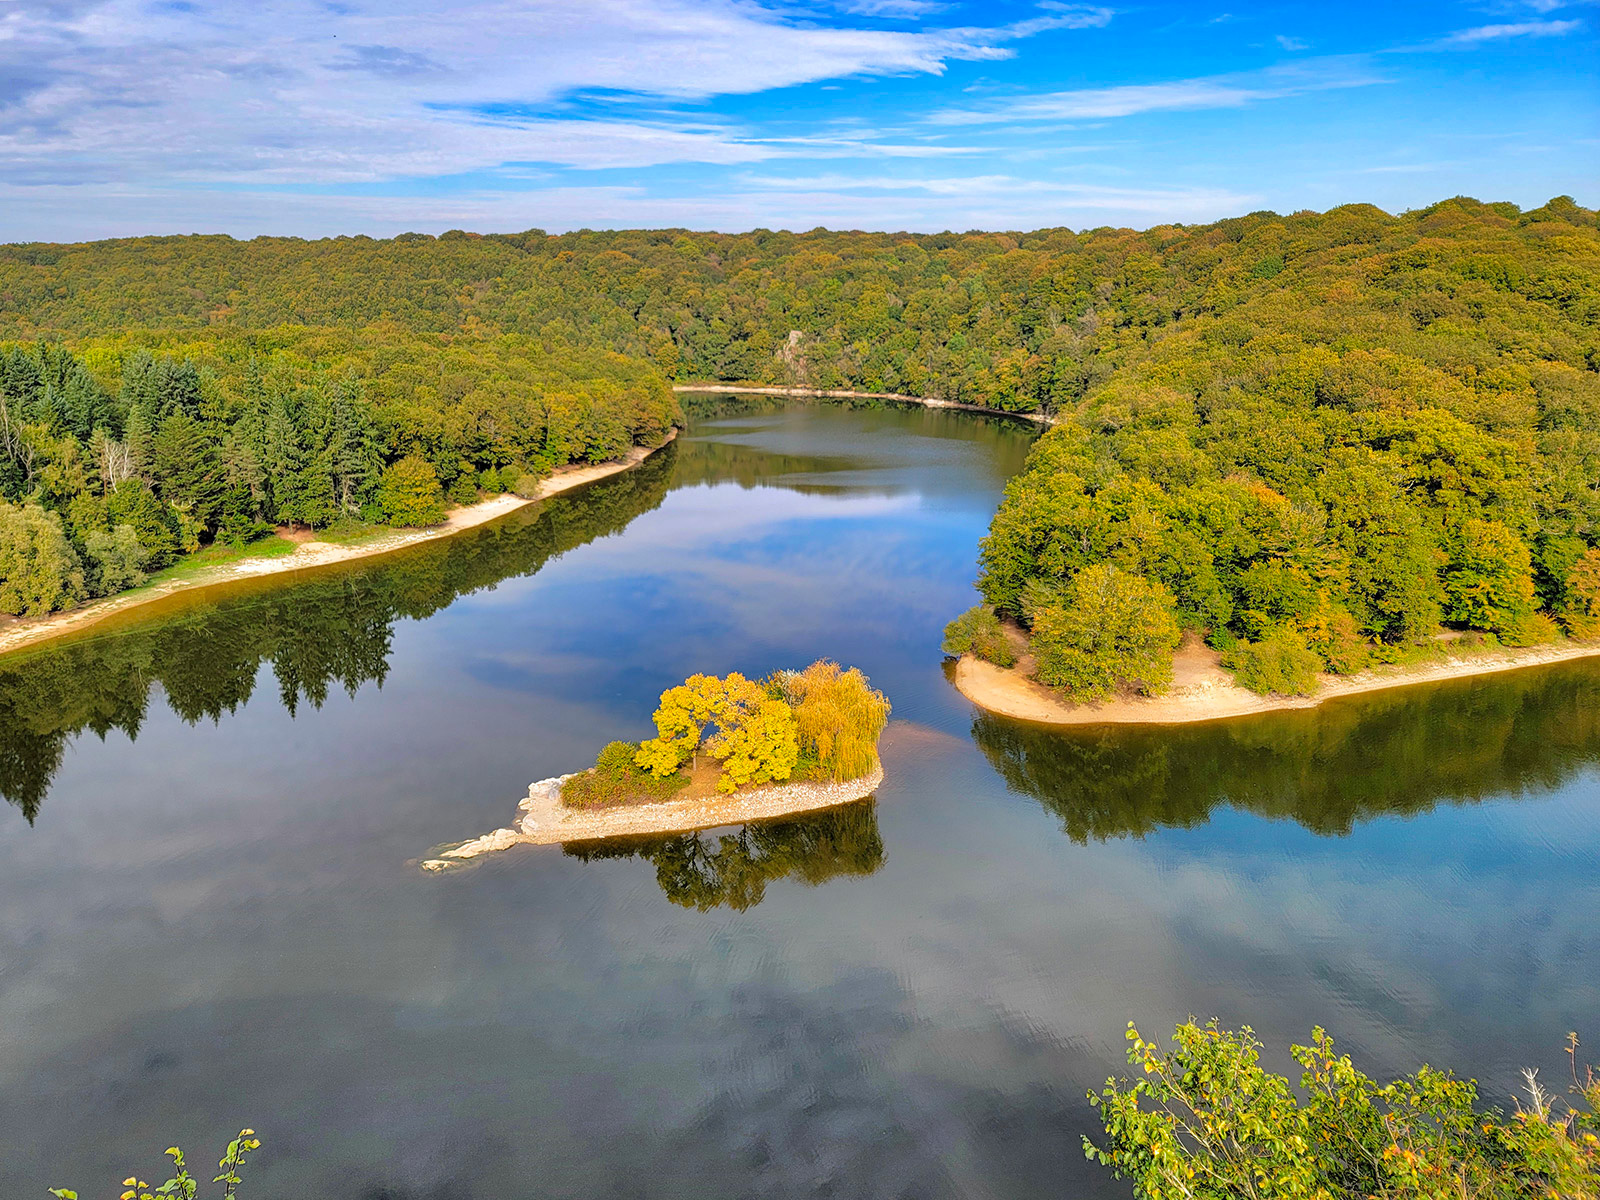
<point>211,917</point>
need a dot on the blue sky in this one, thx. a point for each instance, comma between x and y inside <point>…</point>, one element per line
<point>307,117</point>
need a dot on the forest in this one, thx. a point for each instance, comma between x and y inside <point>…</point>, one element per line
<point>123,453</point>
<point>1311,438</point>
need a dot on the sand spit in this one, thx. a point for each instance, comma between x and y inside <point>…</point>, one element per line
<point>1202,691</point>
<point>545,822</point>
<point>310,555</point>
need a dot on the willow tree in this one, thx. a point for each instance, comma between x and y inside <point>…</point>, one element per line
<point>839,714</point>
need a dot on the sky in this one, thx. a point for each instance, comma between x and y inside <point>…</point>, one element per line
<point>317,118</point>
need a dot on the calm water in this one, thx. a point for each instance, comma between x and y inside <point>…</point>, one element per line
<point>207,916</point>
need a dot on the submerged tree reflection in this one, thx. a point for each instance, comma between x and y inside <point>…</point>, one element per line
<point>335,629</point>
<point>732,870</point>
<point>1395,752</point>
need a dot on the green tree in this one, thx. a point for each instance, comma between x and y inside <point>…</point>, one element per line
<point>1104,631</point>
<point>1488,581</point>
<point>132,503</point>
<point>39,570</point>
<point>188,468</point>
<point>409,493</point>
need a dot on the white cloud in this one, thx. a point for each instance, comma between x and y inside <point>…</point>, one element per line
<point>1292,43</point>
<point>298,90</point>
<point>1219,91</point>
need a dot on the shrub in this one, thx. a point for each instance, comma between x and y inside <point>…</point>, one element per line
<point>1204,1120</point>
<point>114,556</point>
<point>1280,663</point>
<point>1332,633</point>
<point>526,485</point>
<point>978,632</point>
<point>1108,629</point>
<point>615,779</point>
<point>182,1185</point>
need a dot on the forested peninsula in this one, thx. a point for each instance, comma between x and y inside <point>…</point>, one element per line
<point>1313,441</point>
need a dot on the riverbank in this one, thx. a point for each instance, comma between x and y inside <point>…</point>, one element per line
<point>17,634</point>
<point>1203,691</point>
<point>545,821</point>
<point>842,394</point>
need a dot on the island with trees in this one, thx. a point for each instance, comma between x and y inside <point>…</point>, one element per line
<point>727,750</point>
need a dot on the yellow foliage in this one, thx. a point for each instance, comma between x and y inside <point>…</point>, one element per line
<point>839,715</point>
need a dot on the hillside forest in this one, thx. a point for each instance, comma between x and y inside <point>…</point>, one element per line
<point>1314,439</point>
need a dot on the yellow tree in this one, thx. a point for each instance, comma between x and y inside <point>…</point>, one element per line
<point>760,748</point>
<point>755,738</point>
<point>839,716</point>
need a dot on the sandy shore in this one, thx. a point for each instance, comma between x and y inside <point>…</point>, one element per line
<point>15,635</point>
<point>840,394</point>
<point>546,822</point>
<point>1203,691</point>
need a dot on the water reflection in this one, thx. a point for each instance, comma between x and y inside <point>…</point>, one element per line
<point>732,870</point>
<point>1399,752</point>
<point>333,630</point>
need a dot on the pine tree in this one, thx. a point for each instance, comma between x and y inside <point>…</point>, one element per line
<point>187,467</point>
<point>282,459</point>
<point>353,458</point>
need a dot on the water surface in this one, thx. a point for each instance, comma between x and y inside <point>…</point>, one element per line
<point>207,916</point>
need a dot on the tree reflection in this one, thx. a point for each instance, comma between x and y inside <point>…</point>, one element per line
<point>333,630</point>
<point>732,870</point>
<point>1396,752</point>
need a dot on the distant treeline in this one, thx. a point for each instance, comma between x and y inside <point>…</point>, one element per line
<point>1317,434</point>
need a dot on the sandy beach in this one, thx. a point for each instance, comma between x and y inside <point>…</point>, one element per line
<point>17,634</point>
<point>1203,691</point>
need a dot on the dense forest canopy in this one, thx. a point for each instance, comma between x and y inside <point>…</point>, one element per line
<point>1313,437</point>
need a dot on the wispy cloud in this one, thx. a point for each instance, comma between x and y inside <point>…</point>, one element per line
<point>1519,29</point>
<point>1219,91</point>
<point>1068,194</point>
<point>798,203</point>
<point>1292,43</point>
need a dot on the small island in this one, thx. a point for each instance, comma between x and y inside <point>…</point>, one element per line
<point>727,750</point>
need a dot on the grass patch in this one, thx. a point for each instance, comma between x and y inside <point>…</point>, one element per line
<point>207,557</point>
<point>347,531</point>
<point>615,780</point>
